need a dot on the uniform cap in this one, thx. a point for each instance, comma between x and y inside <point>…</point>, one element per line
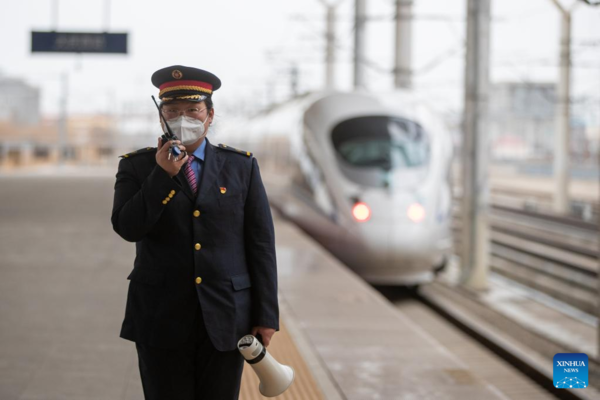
<point>184,83</point>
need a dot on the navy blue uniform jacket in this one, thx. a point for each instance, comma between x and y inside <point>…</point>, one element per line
<point>213,254</point>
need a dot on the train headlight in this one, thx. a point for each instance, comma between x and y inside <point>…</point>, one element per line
<point>416,212</point>
<point>361,212</point>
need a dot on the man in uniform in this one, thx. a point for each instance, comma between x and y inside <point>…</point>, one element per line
<point>205,273</point>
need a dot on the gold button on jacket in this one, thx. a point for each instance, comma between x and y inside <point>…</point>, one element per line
<point>197,246</point>
<point>198,280</point>
<point>196,213</point>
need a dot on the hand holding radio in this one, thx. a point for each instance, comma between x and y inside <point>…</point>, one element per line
<point>175,153</point>
<point>165,159</point>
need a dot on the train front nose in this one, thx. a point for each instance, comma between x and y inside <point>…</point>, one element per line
<point>386,161</point>
<point>404,238</point>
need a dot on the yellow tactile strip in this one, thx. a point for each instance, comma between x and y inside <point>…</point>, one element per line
<point>283,349</point>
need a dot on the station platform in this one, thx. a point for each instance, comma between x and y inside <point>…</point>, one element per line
<point>62,297</point>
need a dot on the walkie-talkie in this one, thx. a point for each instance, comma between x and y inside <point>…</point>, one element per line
<point>175,151</point>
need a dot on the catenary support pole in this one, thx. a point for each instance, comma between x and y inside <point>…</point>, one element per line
<point>360,11</point>
<point>475,230</point>
<point>563,115</point>
<point>403,44</point>
<point>330,49</point>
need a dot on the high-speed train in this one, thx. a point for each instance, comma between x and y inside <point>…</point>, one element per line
<point>377,169</point>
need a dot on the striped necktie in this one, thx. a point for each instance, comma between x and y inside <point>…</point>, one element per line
<point>190,175</point>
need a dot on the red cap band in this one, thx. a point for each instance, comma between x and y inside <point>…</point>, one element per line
<point>203,85</point>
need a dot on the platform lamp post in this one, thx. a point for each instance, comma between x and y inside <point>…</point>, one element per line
<point>475,186</point>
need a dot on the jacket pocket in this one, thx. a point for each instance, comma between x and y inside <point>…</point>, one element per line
<point>148,277</point>
<point>240,282</point>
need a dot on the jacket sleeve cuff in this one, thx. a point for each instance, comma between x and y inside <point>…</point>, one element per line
<point>159,188</point>
<point>267,322</point>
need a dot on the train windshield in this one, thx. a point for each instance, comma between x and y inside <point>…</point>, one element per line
<point>381,142</point>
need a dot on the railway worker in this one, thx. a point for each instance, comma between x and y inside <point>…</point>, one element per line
<point>205,271</point>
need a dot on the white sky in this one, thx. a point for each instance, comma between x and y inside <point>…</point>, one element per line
<point>251,45</point>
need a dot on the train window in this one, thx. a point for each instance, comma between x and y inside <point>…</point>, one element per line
<point>381,142</point>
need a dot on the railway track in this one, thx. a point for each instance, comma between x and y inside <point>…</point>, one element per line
<point>555,255</point>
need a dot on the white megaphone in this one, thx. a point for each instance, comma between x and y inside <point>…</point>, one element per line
<point>274,378</point>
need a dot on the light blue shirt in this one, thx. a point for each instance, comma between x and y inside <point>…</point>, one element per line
<point>199,160</point>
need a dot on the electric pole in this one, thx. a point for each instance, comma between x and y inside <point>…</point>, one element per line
<point>330,51</point>
<point>403,50</point>
<point>360,11</point>
<point>330,41</point>
<point>562,135</point>
<point>475,186</point>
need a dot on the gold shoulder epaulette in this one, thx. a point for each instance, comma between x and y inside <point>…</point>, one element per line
<point>137,152</point>
<point>244,152</point>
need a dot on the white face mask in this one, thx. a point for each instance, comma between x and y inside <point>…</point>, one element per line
<point>188,130</point>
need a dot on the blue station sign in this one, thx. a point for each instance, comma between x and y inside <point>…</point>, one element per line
<point>78,42</point>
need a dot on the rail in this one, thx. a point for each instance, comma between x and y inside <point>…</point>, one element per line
<point>553,254</point>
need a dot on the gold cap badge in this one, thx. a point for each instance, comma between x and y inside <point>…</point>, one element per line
<point>223,190</point>
<point>177,74</point>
